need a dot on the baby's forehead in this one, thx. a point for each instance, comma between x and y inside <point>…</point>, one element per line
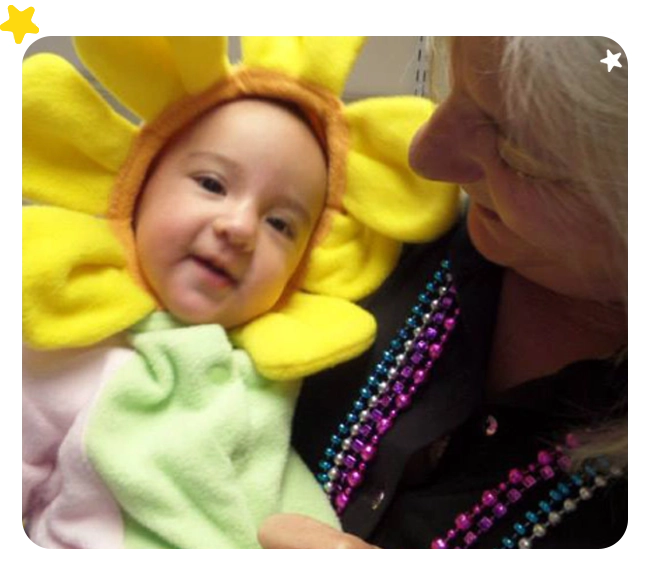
<point>256,140</point>
<point>230,117</point>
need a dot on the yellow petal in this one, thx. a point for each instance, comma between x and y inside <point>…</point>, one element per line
<point>309,334</point>
<point>324,61</point>
<point>201,61</point>
<point>352,260</point>
<point>382,191</point>
<point>73,143</point>
<point>139,71</point>
<point>76,290</point>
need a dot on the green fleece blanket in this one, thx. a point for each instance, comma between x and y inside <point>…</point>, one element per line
<point>194,444</point>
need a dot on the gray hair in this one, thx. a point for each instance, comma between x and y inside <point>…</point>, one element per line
<point>557,85</point>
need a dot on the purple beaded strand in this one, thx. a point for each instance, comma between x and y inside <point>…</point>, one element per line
<point>406,368</point>
<point>469,526</point>
<point>385,411</point>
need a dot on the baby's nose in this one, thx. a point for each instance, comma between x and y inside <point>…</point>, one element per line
<point>238,228</point>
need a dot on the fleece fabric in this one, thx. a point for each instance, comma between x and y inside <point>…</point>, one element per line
<point>186,447</point>
<point>84,167</point>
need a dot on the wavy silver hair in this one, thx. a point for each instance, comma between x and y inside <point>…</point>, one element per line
<point>557,85</point>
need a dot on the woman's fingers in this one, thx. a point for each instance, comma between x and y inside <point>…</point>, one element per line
<point>298,531</point>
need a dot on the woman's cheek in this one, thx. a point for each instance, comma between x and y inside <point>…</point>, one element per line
<point>524,207</point>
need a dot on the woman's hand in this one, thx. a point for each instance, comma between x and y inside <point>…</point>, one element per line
<point>297,531</point>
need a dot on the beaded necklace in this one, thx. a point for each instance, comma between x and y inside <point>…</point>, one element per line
<point>405,366</point>
<point>389,389</point>
<point>563,497</point>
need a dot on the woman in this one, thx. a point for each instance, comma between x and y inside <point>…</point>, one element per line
<point>507,428</point>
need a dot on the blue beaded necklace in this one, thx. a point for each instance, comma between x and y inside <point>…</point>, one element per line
<point>567,491</point>
<point>389,390</point>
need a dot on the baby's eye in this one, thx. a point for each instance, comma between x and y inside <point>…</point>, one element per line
<point>282,226</point>
<point>211,184</point>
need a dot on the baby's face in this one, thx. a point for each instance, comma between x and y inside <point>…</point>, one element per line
<point>227,214</point>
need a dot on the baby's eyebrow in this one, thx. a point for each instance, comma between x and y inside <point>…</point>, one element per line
<point>220,159</point>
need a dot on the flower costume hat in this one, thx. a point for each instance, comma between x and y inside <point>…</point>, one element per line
<point>84,167</point>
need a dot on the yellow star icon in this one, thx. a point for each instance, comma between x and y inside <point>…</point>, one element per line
<point>19,23</point>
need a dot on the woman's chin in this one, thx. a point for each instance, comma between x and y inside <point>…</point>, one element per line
<point>484,232</point>
<point>495,241</point>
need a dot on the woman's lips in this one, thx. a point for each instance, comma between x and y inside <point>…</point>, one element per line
<point>487,213</point>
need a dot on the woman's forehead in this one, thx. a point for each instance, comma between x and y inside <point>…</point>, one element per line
<point>478,72</point>
<point>476,69</point>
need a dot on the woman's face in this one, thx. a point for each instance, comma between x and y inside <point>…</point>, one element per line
<point>521,215</point>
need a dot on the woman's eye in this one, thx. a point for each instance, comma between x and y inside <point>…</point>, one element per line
<point>524,165</point>
<point>281,226</point>
<point>211,184</point>
<point>514,160</point>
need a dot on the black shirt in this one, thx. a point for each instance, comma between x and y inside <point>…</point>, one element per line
<point>441,454</point>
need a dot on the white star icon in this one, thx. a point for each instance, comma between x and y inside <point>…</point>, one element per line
<point>612,60</point>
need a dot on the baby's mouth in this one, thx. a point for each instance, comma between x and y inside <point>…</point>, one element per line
<point>217,270</point>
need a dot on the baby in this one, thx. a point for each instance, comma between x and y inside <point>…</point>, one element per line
<point>222,224</point>
<point>227,214</point>
<point>164,345</point>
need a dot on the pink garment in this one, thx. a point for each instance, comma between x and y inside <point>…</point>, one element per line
<point>63,497</point>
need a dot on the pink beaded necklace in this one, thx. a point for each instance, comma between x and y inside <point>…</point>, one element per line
<point>568,490</point>
<point>405,366</point>
<point>390,388</point>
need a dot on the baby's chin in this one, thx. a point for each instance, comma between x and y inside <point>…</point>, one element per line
<point>195,314</point>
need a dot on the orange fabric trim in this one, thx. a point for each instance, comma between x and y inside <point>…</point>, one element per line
<point>243,82</point>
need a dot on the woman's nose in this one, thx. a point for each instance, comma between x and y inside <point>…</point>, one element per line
<point>445,146</point>
<point>238,228</point>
